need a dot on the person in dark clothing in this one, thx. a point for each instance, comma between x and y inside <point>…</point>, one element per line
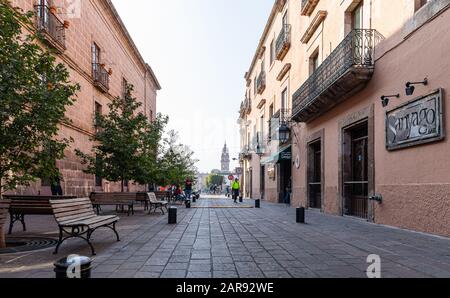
<point>188,188</point>
<point>56,187</point>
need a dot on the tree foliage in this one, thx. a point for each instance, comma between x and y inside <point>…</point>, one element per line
<point>177,161</point>
<point>127,143</point>
<point>215,179</point>
<point>35,92</point>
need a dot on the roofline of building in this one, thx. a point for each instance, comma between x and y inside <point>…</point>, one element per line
<point>273,13</point>
<point>145,65</point>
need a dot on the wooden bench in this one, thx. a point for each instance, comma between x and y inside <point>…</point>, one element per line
<point>162,195</point>
<point>77,218</point>
<point>154,203</point>
<point>4,207</point>
<point>113,199</point>
<point>30,205</point>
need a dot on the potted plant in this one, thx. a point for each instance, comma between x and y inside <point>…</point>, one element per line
<point>53,9</point>
<point>110,71</point>
<point>66,24</point>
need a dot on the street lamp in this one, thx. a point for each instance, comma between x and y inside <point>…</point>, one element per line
<point>284,133</point>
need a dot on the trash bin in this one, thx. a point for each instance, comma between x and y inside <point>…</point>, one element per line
<point>301,215</point>
<point>241,199</point>
<point>258,203</point>
<point>172,215</point>
<point>73,267</point>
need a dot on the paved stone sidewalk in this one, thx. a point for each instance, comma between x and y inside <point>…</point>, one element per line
<point>242,242</point>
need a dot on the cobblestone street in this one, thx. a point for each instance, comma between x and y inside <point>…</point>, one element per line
<point>218,241</point>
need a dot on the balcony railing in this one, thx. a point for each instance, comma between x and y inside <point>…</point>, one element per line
<point>281,117</point>
<point>345,72</point>
<point>261,82</point>
<point>100,76</point>
<point>258,144</point>
<point>50,26</point>
<point>283,42</point>
<point>308,7</point>
<point>248,105</point>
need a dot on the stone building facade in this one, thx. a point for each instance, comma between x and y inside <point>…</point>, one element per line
<point>89,37</point>
<point>364,142</point>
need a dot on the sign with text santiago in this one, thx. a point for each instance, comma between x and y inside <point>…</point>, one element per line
<point>417,122</point>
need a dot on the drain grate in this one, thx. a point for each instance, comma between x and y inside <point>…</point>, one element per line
<point>19,245</point>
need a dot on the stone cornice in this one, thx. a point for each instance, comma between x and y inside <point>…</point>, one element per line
<point>315,23</point>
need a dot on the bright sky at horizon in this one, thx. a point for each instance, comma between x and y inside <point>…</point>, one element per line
<point>199,51</point>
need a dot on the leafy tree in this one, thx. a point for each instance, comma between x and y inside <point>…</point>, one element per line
<point>34,94</point>
<point>177,162</point>
<point>215,179</point>
<point>147,170</point>
<point>126,143</point>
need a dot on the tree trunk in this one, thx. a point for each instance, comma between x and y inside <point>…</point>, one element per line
<point>2,231</point>
<point>2,237</point>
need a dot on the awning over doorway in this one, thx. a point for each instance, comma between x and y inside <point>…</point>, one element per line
<point>282,155</point>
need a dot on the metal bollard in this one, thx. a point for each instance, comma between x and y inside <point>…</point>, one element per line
<point>188,204</point>
<point>258,203</point>
<point>241,199</point>
<point>301,215</point>
<point>72,267</point>
<point>172,215</point>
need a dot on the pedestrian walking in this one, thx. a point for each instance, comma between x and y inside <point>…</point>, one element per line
<point>236,188</point>
<point>188,188</point>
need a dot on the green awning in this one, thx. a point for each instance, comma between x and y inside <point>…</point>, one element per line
<point>283,154</point>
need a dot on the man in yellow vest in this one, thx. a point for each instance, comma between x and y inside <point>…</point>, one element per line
<point>236,188</point>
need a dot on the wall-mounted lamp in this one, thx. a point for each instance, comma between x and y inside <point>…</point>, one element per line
<point>385,99</point>
<point>410,86</point>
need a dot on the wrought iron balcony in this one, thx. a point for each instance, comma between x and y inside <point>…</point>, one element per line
<point>50,27</point>
<point>280,118</point>
<point>344,73</point>
<point>100,76</point>
<point>283,42</point>
<point>258,144</point>
<point>308,7</point>
<point>261,83</point>
<point>245,153</point>
<point>248,105</point>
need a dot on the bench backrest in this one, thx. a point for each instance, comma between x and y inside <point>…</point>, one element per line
<point>161,195</point>
<point>4,207</point>
<point>98,197</point>
<point>65,210</point>
<point>33,205</point>
<point>152,197</point>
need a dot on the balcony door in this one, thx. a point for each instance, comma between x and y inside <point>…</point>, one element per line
<point>357,17</point>
<point>43,12</point>
<point>96,55</point>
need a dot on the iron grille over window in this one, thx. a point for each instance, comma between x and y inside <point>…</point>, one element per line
<point>50,25</point>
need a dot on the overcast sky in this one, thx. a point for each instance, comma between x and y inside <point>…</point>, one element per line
<point>200,51</point>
